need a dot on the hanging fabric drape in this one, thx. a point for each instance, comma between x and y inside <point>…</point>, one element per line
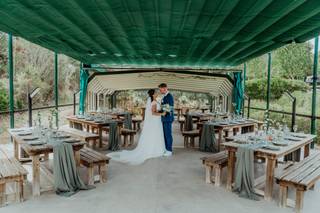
<point>84,76</point>
<point>238,93</point>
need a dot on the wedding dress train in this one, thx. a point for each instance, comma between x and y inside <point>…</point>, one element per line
<point>151,142</point>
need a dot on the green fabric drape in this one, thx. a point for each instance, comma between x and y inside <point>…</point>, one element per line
<point>84,76</point>
<point>238,93</point>
<point>208,139</point>
<point>114,139</point>
<point>244,178</point>
<point>127,121</point>
<point>188,123</point>
<point>67,181</point>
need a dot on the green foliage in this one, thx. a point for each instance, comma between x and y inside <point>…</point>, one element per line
<point>4,100</point>
<point>257,89</point>
<point>293,61</point>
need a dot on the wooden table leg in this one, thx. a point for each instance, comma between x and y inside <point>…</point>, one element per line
<point>271,163</point>
<point>16,149</point>
<point>100,137</point>
<point>77,157</point>
<point>306,150</point>
<point>231,165</point>
<point>35,175</point>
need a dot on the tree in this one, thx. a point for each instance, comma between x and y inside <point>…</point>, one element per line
<point>293,61</point>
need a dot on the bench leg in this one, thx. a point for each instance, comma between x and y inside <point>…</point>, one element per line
<point>299,200</point>
<point>103,173</point>
<point>2,194</point>
<point>185,142</point>
<point>21,190</point>
<point>283,196</point>
<point>90,175</point>
<point>208,173</point>
<point>125,141</point>
<point>217,177</point>
<point>192,142</point>
<point>131,140</point>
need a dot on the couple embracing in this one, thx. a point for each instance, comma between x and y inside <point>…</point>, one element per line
<point>156,135</point>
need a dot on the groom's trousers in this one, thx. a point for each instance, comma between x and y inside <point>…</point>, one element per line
<point>167,130</point>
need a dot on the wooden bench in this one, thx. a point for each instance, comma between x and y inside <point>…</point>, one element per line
<point>189,137</point>
<point>302,176</point>
<point>136,123</point>
<point>215,162</point>
<point>127,133</point>
<point>90,138</point>
<point>11,171</point>
<point>91,159</point>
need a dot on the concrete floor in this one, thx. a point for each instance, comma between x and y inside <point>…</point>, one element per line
<point>175,184</point>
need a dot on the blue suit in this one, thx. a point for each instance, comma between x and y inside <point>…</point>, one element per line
<point>167,121</point>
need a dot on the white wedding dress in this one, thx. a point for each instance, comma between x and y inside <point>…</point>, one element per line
<point>151,142</point>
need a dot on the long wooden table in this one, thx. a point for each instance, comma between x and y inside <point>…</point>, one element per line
<point>87,124</point>
<point>35,152</point>
<point>270,155</point>
<point>234,128</point>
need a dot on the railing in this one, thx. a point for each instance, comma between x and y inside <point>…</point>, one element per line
<point>283,112</point>
<point>38,108</point>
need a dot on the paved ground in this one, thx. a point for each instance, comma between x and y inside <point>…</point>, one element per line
<point>174,184</point>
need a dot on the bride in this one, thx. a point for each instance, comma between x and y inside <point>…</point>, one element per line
<point>151,142</point>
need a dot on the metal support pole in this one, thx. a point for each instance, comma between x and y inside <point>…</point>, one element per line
<point>30,109</point>
<point>268,85</point>
<point>56,87</point>
<point>248,113</point>
<point>294,114</point>
<point>74,103</point>
<point>314,88</point>
<point>10,74</point>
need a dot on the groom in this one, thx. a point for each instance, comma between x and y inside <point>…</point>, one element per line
<point>168,118</point>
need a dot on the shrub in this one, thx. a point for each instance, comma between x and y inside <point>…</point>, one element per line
<point>257,88</point>
<point>4,99</point>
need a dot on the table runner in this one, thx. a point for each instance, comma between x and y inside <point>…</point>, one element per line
<point>244,178</point>
<point>127,121</point>
<point>114,137</point>
<point>67,181</point>
<point>208,139</point>
<point>188,123</point>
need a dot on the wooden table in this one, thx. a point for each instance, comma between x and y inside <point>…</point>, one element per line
<point>233,128</point>
<point>34,152</point>
<point>270,155</point>
<point>74,121</point>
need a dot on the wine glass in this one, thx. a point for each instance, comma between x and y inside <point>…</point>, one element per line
<point>295,128</point>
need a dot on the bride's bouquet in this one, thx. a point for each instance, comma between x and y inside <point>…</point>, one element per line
<point>167,108</point>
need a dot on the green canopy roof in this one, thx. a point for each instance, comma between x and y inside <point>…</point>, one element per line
<point>161,33</point>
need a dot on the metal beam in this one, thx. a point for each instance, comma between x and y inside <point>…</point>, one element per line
<point>10,74</point>
<point>268,85</point>
<point>314,88</point>
<point>56,87</point>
